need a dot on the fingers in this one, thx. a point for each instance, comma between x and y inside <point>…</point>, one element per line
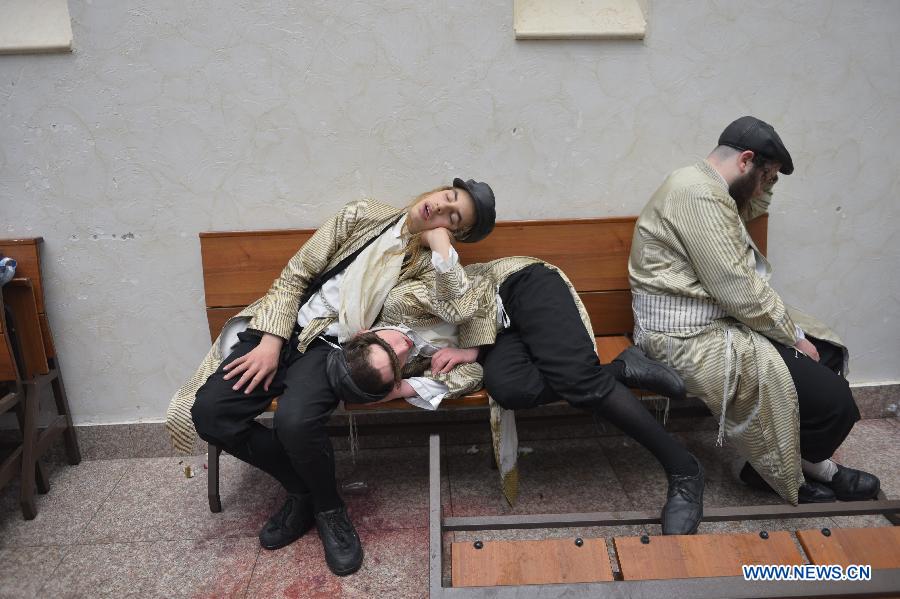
<point>232,367</point>
<point>269,380</point>
<point>452,363</point>
<point>246,377</point>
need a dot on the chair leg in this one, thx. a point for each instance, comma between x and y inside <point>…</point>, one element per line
<point>73,452</point>
<point>40,473</point>
<point>212,479</point>
<point>29,459</point>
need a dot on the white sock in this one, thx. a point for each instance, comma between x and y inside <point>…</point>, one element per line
<point>822,471</point>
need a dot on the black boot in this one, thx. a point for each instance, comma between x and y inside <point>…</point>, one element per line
<point>850,484</point>
<point>809,492</point>
<point>289,523</point>
<point>343,551</point>
<point>641,372</point>
<point>684,507</point>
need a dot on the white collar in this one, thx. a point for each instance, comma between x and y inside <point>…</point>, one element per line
<point>397,229</point>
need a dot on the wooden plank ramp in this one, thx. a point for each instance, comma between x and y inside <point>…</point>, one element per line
<point>877,547</point>
<point>699,556</point>
<point>547,561</point>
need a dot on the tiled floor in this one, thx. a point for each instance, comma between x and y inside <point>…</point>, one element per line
<point>140,528</point>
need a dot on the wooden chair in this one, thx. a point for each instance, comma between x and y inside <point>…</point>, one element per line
<point>25,374</point>
<point>12,397</point>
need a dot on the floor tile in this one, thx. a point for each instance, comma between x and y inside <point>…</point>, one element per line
<point>156,501</point>
<point>26,569</point>
<point>396,487</point>
<point>874,446</point>
<point>395,565</point>
<point>76,494</point>
<point>864,521</point>
<point>169,569</point>
<point>557,477</point>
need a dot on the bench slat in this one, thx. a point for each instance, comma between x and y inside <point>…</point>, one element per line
<point>878,547</point>
<point>701,556</point>
<point>545,561</point>
<point>239,267</point>
<point>592,252</point>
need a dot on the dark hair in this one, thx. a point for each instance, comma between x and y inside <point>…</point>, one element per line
<point>357,352</point>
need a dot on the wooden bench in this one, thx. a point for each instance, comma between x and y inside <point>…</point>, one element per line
<point>239,267</point>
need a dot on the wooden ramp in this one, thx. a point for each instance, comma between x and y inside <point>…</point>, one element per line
<point>500,563</point>
<point>876,547</point>
<point>698,556</point>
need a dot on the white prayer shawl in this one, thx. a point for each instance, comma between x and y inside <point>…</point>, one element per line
<point>368,280</point>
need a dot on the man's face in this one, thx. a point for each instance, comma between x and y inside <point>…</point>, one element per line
<point>379,359</point>
<point>752,183</point>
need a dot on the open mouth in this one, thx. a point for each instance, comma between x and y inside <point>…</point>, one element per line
<point>426,212</point>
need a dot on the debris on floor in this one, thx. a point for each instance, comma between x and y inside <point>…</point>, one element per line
<point>472,450</point>
<point>188,471</point>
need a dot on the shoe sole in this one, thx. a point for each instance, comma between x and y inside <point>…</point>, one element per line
<point>348,571</point>
<point>285,544</point>
<point>872,497</point>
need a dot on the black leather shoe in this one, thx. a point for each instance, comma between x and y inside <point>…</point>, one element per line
<point>684,507</point>
<point>815,492</point>
<point>850,484</point>
<point>289,523</point>
<point>809,492</point>
<point>643,373</point>
<point>343,551</point>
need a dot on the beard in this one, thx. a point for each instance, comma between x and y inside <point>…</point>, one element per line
<point>742,188</point>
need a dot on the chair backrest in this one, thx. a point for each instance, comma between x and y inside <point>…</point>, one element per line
<point>239,266</point>
<point>19,295</point>
<point>27,252</point>
<point>8,368</point>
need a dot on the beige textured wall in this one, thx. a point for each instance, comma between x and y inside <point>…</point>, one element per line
<point>172,118</point>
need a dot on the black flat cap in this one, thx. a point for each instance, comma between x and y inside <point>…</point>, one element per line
<point>485,211</point>
<point>750,133</point>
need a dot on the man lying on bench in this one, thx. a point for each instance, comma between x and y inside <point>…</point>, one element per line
<point>539,348</point>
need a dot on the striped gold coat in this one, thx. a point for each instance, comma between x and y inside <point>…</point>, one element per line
<point>449,297</point>
<point>691,242</point>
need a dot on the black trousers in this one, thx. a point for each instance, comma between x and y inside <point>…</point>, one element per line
<point>297,451</point>
<point>827,408</point>
<point>538,359</point>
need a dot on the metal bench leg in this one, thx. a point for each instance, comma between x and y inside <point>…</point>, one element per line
<point>212,479</point>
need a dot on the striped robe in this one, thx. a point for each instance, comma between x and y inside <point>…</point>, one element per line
<point>449,296</point>
<point>691,251</point>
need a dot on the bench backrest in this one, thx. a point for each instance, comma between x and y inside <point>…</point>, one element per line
<point>239,266</point>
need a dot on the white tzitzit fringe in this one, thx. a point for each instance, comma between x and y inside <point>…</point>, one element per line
<point>727,391</point>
